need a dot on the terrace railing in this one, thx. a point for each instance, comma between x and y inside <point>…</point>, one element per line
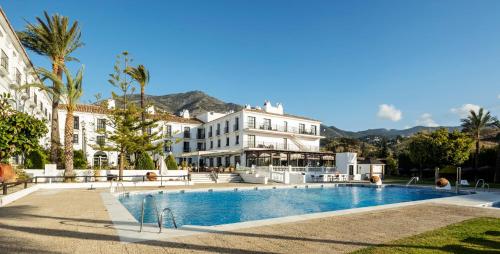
<point>282,128</point>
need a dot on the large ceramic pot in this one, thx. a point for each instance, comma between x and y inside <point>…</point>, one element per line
<point>441,182</point>
<point>151,176</point>
<point>7,173</point>
<point>374,179</point>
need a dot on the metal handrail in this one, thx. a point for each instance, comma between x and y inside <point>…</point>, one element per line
<point>171,216</point>
<point>483,185</point>
<point>411,180</point>
<point>156,210</point>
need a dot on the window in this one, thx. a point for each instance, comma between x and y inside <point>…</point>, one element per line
<point>101,140</point>
<point>236,124</point>
<point>211,144</point>
<point>75,138</point>
<point>251,141</point>
<point>237,160</point>
<point>227,141</point>
<point>101,124</point>
<point>35,98</point>
<point>313,129</point>
<point>237,140</point>
<point>285,143</point>
<point>219,161</point>
<point>251,122</point>
<point>4,61</point>
<point>302,128</point>
<point>200,133</point>
<point>218,143</point>
<point>18,77</point>
<point>41,106</point>
<point>199,146</point>
<point>267,124</point>
<point>285,126</point>
<point>211,162</point>
<point>168,130</point>
<point>46,113</point>
<point>218,129</point>
<point>228,161</point>
<point>186,147</point>
<point>187,132</point>
<point>210,131</point>
<point>226,127</point>
<point>149,131</point>
<point>76,122</point>
<point>167,147</point>
<point>27,91</point>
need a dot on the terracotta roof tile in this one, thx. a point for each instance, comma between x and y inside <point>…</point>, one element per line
<point>95,109</point>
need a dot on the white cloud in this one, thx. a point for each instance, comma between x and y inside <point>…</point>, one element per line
<point>389,112</point>
<point>465,109</point>
<point>498,96</point>
<point>426,120</point>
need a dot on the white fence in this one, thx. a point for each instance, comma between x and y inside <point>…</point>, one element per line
<point>89,174</point>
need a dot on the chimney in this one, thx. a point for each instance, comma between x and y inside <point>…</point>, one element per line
<point>111,103</point>
<point>185,113</point>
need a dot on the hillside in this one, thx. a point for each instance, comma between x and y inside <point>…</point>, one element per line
<point>332,131</point>
<point>195,101</point>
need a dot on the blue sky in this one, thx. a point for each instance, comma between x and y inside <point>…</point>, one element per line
<point>352,64</point>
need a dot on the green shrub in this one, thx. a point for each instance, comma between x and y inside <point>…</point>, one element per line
<point>36,160</point>
<point>144,161</point>
<point>79,160</point>
<point>171,163</point>
<point>21,174</point>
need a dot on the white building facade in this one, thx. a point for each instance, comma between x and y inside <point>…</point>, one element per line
<point>16,70</point>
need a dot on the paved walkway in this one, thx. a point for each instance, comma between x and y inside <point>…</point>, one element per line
<point>76,221</point>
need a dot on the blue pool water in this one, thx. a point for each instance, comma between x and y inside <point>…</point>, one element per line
<point>222,207</point>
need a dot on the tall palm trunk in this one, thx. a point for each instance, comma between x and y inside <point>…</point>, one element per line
<point>497,163</point>
<point>476,156</point>
<point>122,164</point>
<point>55,139</point>
<point>68,143</point>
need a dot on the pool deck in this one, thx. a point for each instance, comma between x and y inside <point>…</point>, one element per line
<point>78,221</point>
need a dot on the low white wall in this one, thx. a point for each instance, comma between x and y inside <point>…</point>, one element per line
<point>254,178</point>
<point>103,172</point>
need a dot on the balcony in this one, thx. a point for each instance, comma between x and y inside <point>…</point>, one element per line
<point>280,128</point>
<point>279,146</point>
<point>187,134</point>
<point>200,136</point>
<point>186,149</point>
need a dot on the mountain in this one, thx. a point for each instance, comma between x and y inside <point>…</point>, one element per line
<point>194,101</point>
<point>332,132</point>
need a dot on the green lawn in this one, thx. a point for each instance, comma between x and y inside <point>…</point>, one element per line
<point>425,181</point>
<point>481,235</point>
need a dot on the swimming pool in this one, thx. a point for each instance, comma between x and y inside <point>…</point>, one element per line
<point>209,208</point>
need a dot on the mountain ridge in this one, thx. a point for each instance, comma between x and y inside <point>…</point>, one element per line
<point>197,102</point>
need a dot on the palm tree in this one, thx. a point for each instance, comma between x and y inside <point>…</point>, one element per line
<point>70,93</point>
<point>141,75</point>
<point>57,40</point>
<point>475,124</point>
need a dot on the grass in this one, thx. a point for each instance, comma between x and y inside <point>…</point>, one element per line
<point>425,181</point>
<point>480,235</point>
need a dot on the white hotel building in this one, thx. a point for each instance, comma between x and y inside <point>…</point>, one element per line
<point>251,136</point>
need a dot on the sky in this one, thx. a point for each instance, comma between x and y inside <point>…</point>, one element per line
<point>352,64</point>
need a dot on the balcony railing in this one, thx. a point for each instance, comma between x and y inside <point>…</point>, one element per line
<point>187,134</point>
<point>200,136</point>
<point>186,149</point>
<point>280,128</point>
<point>279,146</point>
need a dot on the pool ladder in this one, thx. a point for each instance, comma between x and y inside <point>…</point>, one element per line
<point>159,215</point>
<point>412,179</point>
<point>124,191</point>
<point>484,185</point>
